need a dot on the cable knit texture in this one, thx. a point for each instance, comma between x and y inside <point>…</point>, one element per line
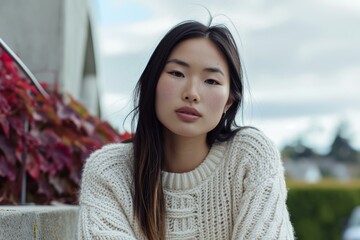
<point>237,192</point>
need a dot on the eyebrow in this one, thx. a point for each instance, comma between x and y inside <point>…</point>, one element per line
<point>184,64</point>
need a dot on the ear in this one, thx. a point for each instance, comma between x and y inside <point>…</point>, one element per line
<point>228,104</point>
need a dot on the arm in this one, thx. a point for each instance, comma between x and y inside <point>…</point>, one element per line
<point>266,215</point>
<point>260,196</point>
<point>105,201</point>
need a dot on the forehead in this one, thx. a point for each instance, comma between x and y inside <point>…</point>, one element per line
<point>199,50</point>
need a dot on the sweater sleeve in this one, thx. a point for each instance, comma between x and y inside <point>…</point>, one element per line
<point>105,199</point>
<point>260,195</point>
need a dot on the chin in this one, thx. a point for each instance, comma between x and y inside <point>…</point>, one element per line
<point>188,133</point>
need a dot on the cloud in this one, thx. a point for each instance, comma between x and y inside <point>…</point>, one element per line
<point>301,57</point>
<point>315,131</point>
<point>341,84</point>
<point>139,36</point>
<point>347,5</point>
<point>122,36</point>
<point>115,109</point>
<point>121,72</point>
<point>289,56</point>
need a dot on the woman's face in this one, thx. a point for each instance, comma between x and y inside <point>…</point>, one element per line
<point>193,90</point>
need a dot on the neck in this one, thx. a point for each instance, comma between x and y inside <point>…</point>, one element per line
<point>183,154</point>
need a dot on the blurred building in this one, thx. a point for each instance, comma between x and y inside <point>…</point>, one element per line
<point>306,171</point>
<point>313,169</point>
<point>55,40</point>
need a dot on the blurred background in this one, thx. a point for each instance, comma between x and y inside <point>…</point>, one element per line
<point>302,74</point>
<point>301,61</point>
<point>301,67</point>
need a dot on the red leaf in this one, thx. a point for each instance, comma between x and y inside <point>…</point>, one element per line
<point>33,166</point>
<point>4,124</point>
<point>60,184</point>
<point>62,134</point>
<point>75,174</point>
<point>43,164</point>
<point>8,150</point>
<point>125,136</point>
<point>8,64</point>
<point>18,125</point>
<point>6,169</point>
<point>46,137</point>
<point>107,133</point>
<point>76,106</point>
<point>63,111</point>
<point>88,127</point>
<point>44,187</point>
<point>26,99</point>
<point>48,114</point>
<point>5,108</point>
<point>61,156</point>
<point>9,193</point>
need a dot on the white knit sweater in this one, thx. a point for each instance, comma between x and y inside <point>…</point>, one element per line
<point>237,192</point>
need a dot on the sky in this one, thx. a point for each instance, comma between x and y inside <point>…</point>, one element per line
<point>301,60</point>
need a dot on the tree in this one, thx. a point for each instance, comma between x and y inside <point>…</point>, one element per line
<point>297,150</point>
<point>341,148</point>
<point>47,139</point>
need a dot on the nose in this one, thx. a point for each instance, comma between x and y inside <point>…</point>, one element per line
<point>190,93</point>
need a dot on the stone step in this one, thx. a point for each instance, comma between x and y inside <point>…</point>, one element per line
<point>36,222</point>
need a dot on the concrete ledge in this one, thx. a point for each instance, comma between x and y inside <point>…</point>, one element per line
<point>38,222</point>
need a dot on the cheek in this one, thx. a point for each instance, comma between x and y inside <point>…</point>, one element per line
<point>165,94</point>
<point>217,101</point>
<point>165,91</point>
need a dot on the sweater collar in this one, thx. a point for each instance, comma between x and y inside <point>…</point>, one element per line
<point>187,180</point>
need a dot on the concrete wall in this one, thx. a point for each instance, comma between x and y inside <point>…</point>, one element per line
<point>38,222</point>
<point>54,39</point>
<point>34,30</point>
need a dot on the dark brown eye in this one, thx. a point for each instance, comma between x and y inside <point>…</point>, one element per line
<point>212,82</point>
<point>176,74</point>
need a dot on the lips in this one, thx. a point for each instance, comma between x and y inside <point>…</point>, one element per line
<point>189,110</point>
<point>188,114</point>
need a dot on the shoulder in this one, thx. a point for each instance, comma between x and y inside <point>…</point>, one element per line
<point>111,157</point>
<point>106,176</point>
<point>258,153</point>
<point>254,141</point>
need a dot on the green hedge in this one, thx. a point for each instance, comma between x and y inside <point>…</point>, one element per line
<point>319,211</point>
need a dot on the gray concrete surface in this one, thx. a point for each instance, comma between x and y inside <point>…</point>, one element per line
<point>57,42</point>
<point>38,222</point>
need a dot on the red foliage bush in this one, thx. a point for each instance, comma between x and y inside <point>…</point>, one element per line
<point>61,135</point>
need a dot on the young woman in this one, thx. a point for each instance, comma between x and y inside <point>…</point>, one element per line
<point>189,172</point>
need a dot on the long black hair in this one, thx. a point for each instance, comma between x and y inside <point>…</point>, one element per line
<point>149,204</point>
